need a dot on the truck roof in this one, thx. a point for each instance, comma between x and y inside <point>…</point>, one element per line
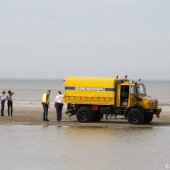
<point>96,79</point>
<point>91,78</point>
<point>90,81</point>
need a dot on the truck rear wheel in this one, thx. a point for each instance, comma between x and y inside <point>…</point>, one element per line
<point>135,116</point>
<point>148,118</point>
<point>84,114</point>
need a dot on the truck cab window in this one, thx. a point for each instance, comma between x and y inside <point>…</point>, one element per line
<point>141,90</point>
<point>124,95</point>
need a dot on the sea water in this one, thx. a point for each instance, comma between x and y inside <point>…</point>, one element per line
<point>29,92</point>
<point>84,148</point>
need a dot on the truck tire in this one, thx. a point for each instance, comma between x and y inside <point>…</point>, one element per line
<point>135,116</point>
<point>84,114</point>
<point>148,118</point>
<point>97,116</point>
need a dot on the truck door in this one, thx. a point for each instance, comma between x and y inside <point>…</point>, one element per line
<point>132,98</point>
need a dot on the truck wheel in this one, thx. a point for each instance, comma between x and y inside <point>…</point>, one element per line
<point>84,114</point>
<point>148,118</point>
<point>97,116</point>
<point>135,116</point>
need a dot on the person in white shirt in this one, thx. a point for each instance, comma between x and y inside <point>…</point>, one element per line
<point>3,99</point>
<point>0,104</point>
<point>59,102</point>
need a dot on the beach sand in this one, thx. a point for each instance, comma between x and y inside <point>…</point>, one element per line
<point>33,116</point>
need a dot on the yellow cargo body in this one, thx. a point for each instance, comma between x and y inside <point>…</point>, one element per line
<point>96,91</point>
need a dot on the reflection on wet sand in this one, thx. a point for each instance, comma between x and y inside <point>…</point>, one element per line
<point>97,148</point>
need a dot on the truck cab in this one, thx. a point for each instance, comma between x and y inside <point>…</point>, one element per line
<point>135,104</point>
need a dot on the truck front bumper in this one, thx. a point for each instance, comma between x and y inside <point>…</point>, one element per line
<point>157,112</point>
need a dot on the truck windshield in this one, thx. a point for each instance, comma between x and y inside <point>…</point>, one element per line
<point>132,90</point>
<point>141,90</point>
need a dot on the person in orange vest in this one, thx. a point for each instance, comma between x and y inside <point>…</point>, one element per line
<point>46,104</point>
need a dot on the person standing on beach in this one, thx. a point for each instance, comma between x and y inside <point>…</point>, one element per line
<point>59,105</point>
<point>3,99</point>
<point>46,104</point>
<point>10,103</point>
<point>0,104</point>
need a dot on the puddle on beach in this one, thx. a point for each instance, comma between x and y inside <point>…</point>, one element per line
<point>85,148</point>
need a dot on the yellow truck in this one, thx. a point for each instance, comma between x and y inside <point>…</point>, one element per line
<point>90,98</point>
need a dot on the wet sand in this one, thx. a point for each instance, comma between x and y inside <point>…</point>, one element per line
<point>33,116</point>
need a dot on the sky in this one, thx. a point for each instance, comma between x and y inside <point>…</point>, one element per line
<point>51,39</point>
